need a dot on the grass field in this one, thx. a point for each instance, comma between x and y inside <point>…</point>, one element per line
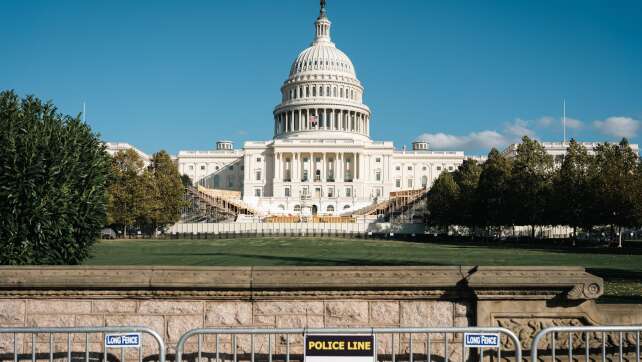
<point>621,268</point>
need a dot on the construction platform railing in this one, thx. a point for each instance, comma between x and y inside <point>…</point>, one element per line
<point>390,344</point>
<point>81,344</point>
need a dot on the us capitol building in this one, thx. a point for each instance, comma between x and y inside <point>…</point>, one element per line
<point>321,157</point>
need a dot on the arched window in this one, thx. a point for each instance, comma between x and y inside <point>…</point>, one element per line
<point>334,92</point>
<point>297,208</point>
<point>314,91</point>
<point>330,208</point>
<point>341,92</point>
<point>424,181</point>
<point>307,91</point>
<point>321,91</point>
<point>346,207</point>
<point>327,91</point>
<point>282,207</point>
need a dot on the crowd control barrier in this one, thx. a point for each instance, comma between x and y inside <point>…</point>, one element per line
<point>390,344</point>
<point>605,343</point>
<point>79,344</point>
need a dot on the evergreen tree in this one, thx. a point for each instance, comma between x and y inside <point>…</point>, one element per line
<point>53,177</point>
<point>442,199</point>
<point>467,179</point>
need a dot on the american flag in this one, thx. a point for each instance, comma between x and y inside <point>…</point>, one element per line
<point>313,120</point>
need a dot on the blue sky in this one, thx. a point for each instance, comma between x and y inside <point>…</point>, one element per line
<point>463,74</point>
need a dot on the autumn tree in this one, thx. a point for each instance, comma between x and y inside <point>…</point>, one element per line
<point>571,201</point>
<point>491,203</point>
<point>168,191</point>
<point>614,186</point>
<point>530,184</point>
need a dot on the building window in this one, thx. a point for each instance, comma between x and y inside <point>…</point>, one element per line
<point>258,175</point>
<point>409,168</point>
<point>330,191</point>
<point>424,168</point>
<point>348,191</point>
<point>297,208</point>
<point>378,175</point>
<point>257,192</point>
<point>216,168</point>
<point>398,183</point>
<point>330,208</point>
<point>398,168</point>
<point>438,168</point>
<point>346,207</point>
<point>410,183</point>
<point>203,168</point>
<point>424,181</point>
<point>378,192</point>
<point>450,168</point>
<point>378,159</point>
<point>258,159</point>
<point>191,167</point>
<point>286,192</point>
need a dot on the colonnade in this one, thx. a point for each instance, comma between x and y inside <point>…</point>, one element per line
<point>318,166</point>
<point>307,119</point>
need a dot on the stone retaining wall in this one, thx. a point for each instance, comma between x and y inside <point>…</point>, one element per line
<point>174,300</point>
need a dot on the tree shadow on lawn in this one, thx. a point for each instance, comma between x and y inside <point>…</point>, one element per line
<point>553,246</point>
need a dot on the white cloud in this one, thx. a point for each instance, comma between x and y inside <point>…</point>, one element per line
<point>517,129</point>
<point>474,141</point>
<point>573,123</point>
<point>618,126</point>
<point>545,121</point>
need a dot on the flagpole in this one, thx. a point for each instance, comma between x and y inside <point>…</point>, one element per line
<point>564,117</point>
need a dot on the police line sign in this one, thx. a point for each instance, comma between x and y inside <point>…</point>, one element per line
<point>339,348</point>
<point>480,340</point>
<point>127,340</point>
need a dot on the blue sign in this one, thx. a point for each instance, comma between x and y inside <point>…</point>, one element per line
<point>127,340</point>
<point>479,340</point>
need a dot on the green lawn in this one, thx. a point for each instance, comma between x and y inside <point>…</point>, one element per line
<point>621,268</point>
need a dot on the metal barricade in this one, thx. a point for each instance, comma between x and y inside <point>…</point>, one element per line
<point>390,344</point>
<point>605,343</point>
<point>77,344</point>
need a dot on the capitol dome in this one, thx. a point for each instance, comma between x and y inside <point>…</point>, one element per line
<point>322,97</point>
<point>322,58</point>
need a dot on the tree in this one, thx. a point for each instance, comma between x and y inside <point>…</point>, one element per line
<point>128,193</point>
<point>169,191</point>
<point>570,203</point>
<point>442,198</point>
<point>492,190</point>
<point>467,179</point>
<point>614,185</point>
<point>187,181</point>
<point>530,183</point>
<point>53,178</point>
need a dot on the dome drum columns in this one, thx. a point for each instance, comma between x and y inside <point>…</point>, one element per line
<point>321,119</point>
